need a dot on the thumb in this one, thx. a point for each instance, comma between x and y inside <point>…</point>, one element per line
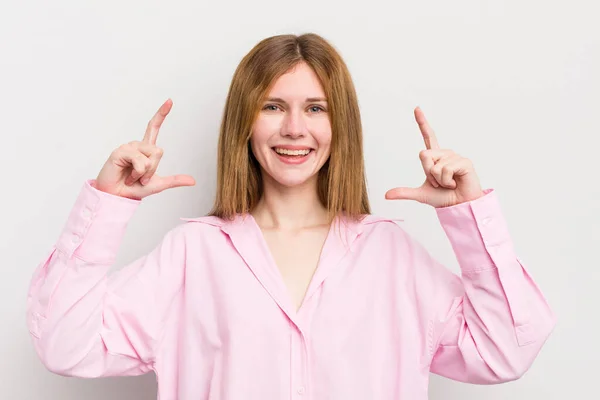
<point>405,193</point>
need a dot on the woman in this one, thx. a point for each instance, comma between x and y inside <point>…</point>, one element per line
<point>289,288</point>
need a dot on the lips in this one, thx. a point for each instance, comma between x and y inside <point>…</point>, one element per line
<point>292,154</point>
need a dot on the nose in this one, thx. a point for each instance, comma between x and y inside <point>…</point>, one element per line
<point>294,124</point>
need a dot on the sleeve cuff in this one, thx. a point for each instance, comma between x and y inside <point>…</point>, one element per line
<point>96,225</point>
<point>474,228</point>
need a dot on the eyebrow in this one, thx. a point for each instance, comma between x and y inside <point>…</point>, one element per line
<point>308,100</point>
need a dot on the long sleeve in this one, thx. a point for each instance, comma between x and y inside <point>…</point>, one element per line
<point>86,322</point>
<point>488,324</point>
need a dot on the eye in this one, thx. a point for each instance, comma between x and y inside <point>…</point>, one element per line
<point>316,109</point>
<point>271,107</point>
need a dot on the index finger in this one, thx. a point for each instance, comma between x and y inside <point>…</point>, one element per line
<point>156,122</point>
<point>428,133</point>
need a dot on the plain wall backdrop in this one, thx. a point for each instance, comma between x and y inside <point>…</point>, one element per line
<point>512,85</point>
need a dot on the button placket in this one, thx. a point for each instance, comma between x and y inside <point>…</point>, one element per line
<point>299,366</point>
<point>87,214</point>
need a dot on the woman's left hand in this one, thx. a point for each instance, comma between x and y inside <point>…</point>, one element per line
<point>450,178</point>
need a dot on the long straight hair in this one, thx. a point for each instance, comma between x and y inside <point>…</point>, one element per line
<point>342,186</point>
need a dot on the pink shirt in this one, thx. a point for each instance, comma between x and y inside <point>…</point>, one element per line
<point>208,312</point>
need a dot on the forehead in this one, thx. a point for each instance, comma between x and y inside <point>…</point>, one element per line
<point>299,82</point>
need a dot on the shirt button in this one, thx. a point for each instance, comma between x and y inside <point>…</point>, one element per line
<point>87,213</point>
<point>76,238</point>
<point>301,390</point>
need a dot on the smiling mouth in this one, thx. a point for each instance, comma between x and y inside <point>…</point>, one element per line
<point>292,153</point>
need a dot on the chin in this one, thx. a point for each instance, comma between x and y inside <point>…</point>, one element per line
<point>292,180</point>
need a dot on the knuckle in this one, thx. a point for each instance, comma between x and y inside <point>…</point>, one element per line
<point>423,154</point>
<point>138,161</point>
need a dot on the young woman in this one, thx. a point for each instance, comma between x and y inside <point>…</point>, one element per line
<point>289,288</point>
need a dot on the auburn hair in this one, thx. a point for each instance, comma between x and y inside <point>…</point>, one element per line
<point>342,186</point>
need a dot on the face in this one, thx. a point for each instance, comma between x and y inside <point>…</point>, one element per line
<point>291,137</point>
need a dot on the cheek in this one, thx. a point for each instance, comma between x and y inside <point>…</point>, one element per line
<point>262,130</point>
<point>322,134</point>
<point>260,136</point>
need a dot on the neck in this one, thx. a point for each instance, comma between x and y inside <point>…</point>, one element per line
<point>289,208</point>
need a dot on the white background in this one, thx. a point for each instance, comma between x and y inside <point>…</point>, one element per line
<point>513,85</point>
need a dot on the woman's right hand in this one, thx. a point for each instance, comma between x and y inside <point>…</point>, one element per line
<point>130,169</point>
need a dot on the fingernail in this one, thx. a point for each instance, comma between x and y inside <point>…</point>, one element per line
<point>145,180</point>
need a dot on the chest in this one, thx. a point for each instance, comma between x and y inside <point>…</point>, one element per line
<point>297,257</point>
<point>357,304</point>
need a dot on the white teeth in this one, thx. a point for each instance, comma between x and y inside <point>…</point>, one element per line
<point>292,152</point>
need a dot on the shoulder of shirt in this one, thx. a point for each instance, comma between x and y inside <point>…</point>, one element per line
<point>377,219</point>
<point>375,222</point>
<point>367,222</point>
<point>207,219</point>
<point>206,226</point>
